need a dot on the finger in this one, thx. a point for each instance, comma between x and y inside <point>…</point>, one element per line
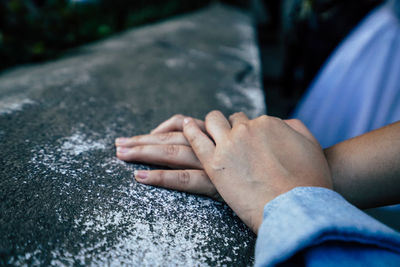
<point>217,126</point>
<point>174,156</point>
<point>201,144</point>
<point>237,118</point>
<point>175,124</point>
<point>169,138</point>
<point>299,127</point>
<point>190,181</point>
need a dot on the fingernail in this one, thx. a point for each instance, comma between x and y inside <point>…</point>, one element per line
<point>186,120</point>
<point>140,174</point>
<point>122,150</point>
<point>121,140</point>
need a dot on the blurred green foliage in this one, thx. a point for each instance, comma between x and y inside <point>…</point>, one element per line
<point>36,30</point>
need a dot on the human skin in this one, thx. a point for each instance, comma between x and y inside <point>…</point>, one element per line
<point>248,162</point>
<point>364,169</point>
<point>167,146</point>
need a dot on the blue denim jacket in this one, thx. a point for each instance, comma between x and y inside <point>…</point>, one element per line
<point>314,226</point>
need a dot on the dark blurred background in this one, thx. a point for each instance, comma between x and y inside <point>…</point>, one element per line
<point>295,36</point>
<point>36,30</point>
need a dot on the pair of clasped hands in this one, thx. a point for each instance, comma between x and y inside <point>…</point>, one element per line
<point>244,162</point>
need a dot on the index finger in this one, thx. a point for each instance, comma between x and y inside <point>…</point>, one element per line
<point>201,144</point>
<point>217,126</point>
<point>174,124</point>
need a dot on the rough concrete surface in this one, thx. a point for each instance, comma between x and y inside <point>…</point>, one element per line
<point>64,197</point>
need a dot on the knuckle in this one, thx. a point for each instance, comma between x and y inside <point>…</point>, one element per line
<point>213,113</point>
<point>240,113</point>
<point>263,118</point>
<point>234,115</point>
<point>237,115</point>
<point>241,129</point>
<point>177,117</point>
<point>184,177</point>
<point>216,112</point>
<point>171,150</point>
<point>269,119</point>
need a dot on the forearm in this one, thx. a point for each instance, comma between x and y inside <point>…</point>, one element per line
<point>366,169</point>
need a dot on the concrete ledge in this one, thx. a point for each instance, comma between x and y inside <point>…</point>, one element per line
<point>64,197</point>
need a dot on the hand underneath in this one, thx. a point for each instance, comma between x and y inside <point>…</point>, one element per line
<point>250,162</point>
<point>167,146</point>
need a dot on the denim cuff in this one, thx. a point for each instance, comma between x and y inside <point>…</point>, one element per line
<point>308,216</point>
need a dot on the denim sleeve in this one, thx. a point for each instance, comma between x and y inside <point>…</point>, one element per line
<point>325,229</point>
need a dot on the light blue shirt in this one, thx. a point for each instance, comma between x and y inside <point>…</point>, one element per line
<point>315,226</point>
<point>357,90</point>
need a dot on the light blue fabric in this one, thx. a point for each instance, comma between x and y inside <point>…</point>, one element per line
<point>358,89</point>
<point>325,229</point>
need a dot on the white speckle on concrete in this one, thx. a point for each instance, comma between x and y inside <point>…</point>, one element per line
<point>135,225</point>
<point>252,96</point>
<point>9,105</point>
<point>225,99</point>
<point>30,257</point>
<point>256,98</point>
<point>250,87</point>
<point>77,144</point>
<point>62,156</point>
<point>249,50</point>
<point>174,241</point>
<point>175,62</point>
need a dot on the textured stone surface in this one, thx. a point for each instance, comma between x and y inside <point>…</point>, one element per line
<point>64,197</point>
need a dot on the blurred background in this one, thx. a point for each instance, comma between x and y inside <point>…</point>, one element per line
<point>37,30</point>
<point>295,36</point>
